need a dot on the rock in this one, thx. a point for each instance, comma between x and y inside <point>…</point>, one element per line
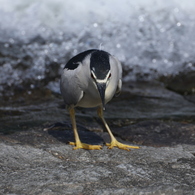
<point>46,165</point>
<point>183,82</point>
<point>158,133</point>
<point>35,159</point>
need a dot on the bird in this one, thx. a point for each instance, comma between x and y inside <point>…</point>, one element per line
<point>91,79</point>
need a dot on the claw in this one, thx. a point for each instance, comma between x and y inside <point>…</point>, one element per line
<point>85,146</point>
<point>115,143</point>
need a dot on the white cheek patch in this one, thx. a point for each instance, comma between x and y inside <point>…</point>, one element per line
<point>101,80</point>
<point>93,75</point>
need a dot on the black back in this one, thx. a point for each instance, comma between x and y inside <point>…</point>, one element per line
<point>73,62</point>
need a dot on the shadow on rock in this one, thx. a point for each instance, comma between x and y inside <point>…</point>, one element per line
<point>158,133</point>
<point>64,133</point>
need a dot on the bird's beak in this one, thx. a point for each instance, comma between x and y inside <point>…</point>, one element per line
<point>102,88</point>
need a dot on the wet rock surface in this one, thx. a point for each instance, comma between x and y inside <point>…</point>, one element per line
<point>36,159</point>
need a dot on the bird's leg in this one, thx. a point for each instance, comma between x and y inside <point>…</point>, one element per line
<point>114,142</point>
<point>78,144</point>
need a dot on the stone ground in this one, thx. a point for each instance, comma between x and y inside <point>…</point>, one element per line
<point>36,159</point>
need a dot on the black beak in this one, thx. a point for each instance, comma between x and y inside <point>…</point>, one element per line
<point>102,88</point>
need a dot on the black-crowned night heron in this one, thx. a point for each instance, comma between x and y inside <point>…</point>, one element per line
<point>91,79</point>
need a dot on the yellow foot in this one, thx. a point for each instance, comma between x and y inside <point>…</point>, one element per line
<point>115,143</point>
<point>85,146</point>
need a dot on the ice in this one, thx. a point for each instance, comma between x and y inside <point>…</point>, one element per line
<point>151,38</point>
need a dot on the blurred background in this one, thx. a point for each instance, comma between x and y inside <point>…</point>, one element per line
<point>154,40</point>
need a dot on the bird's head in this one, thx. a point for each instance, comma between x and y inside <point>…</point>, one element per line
<point>100,72</point>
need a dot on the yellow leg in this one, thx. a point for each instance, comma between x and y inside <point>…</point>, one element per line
<point>114,142</point>
<point>78,144</point>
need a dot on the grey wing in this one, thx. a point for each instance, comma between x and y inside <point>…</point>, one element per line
<point>69,86</point>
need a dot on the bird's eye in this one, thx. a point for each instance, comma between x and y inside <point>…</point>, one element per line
<point>109,75</point>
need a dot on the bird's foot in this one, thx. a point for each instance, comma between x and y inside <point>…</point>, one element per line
<point>115,143</point>
<point>85,146</point>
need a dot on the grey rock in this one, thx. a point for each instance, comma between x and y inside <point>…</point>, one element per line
<point>54,168</point>
<point>183,82</point>
<point>35,157</point>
